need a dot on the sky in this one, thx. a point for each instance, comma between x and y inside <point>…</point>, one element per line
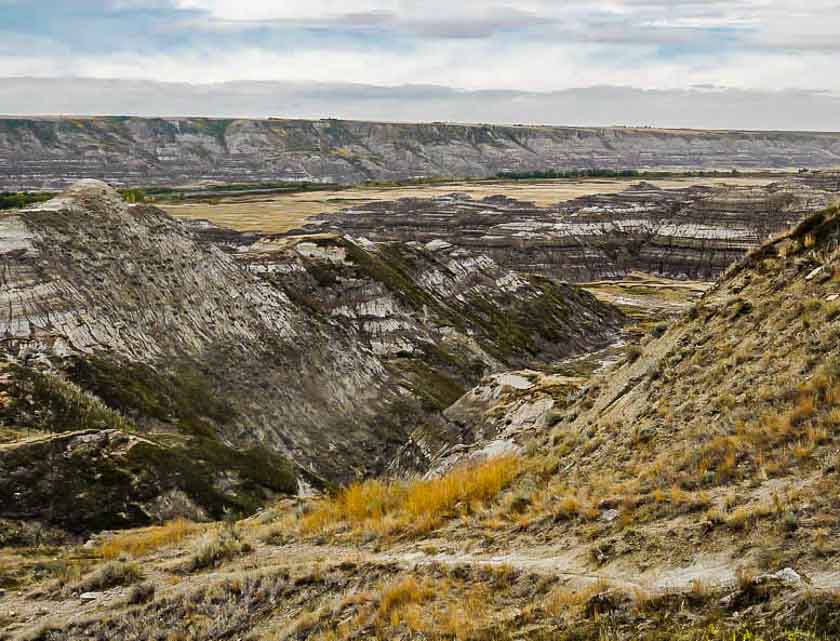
<point>774,52</point>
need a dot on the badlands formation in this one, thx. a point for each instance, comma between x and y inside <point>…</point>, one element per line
<point>614,417</point>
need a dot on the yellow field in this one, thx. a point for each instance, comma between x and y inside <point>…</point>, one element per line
<point>282,212</point>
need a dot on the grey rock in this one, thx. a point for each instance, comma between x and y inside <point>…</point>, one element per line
<point>54,152</point>
<point>88,597</point>
<point>786,576</point>
<point>813,274</point>
<point>609,515</point>
<point>694,233</point>
<point>328,353</point>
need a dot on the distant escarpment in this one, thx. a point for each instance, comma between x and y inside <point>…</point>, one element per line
<point>151,370</point>
<point>41,153</point>
<point>692,233</point>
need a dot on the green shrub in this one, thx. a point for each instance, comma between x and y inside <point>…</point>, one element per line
<point>214,548</point>
<point>110,575</point>
<point>17,200</point>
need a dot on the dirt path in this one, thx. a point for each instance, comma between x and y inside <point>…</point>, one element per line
<point>32,611</point>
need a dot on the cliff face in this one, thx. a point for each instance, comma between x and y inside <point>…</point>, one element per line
<point>104,290</point>
<point>52,153</point>
<point>693,233</point>
<point>430,300</point>
<point>227,358</point>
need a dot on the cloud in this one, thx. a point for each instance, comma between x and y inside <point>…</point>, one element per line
<point>525,45</point>
<point>704,107</point>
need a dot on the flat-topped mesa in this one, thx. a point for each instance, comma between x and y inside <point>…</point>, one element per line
<point>48,153</point>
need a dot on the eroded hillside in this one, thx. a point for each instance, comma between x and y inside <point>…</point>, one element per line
<point>214,380</point>
<point>693,233</point>
<point>41,153</point>
<point>689,492</point>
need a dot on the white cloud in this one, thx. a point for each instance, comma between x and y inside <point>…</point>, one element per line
<point>468,64</point>
<point>529,45</point>
<point>705,107</point>
<point>287,9</point>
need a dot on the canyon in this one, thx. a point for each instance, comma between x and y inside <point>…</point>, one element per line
<point>246,370</point>
<point>691,233</point>
<point>443,416</point>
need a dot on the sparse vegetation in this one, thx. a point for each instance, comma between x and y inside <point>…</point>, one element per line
<point>49,403</point>
<point>137,543</point>
<point>216,547</point>
<point>18,200</point>
<point>415,506</point>
<point>396,597</point>
<point>112,574</point>
<point>553,174</point>
<point>716,438</point>
<point>141,593</point>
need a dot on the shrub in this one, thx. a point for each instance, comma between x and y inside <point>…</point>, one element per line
<point>634,352</point>
<point>110,575</point>
<point>745,517</point>
<point>659,330</point>
<point>216,547</point>
<point>790,521</point>
<point>803,411</point>
<point>16,200</point>
<point>561,600</point>
<point>832,311</point>
<point>141,593</point>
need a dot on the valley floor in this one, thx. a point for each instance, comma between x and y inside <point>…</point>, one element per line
<point>272,213</point>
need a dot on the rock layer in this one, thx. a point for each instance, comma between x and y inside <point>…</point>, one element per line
<point>37,153</point>
<point>325,352</point>
<point>693,233</point>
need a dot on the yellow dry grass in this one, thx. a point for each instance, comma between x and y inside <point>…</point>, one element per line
<point>141,542</point>
<point>768,444</point>
<point>416,506</point>
<point>404,592</point>
<point>562,601</point>
<point>283,212</point>
<point>437,608</point>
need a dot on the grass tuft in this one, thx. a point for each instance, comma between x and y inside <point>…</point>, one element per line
<point>141,542</point>
<point>416,506</point>
<point>216,547</point>
<point>401,593</point>
<point>110,575</point>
